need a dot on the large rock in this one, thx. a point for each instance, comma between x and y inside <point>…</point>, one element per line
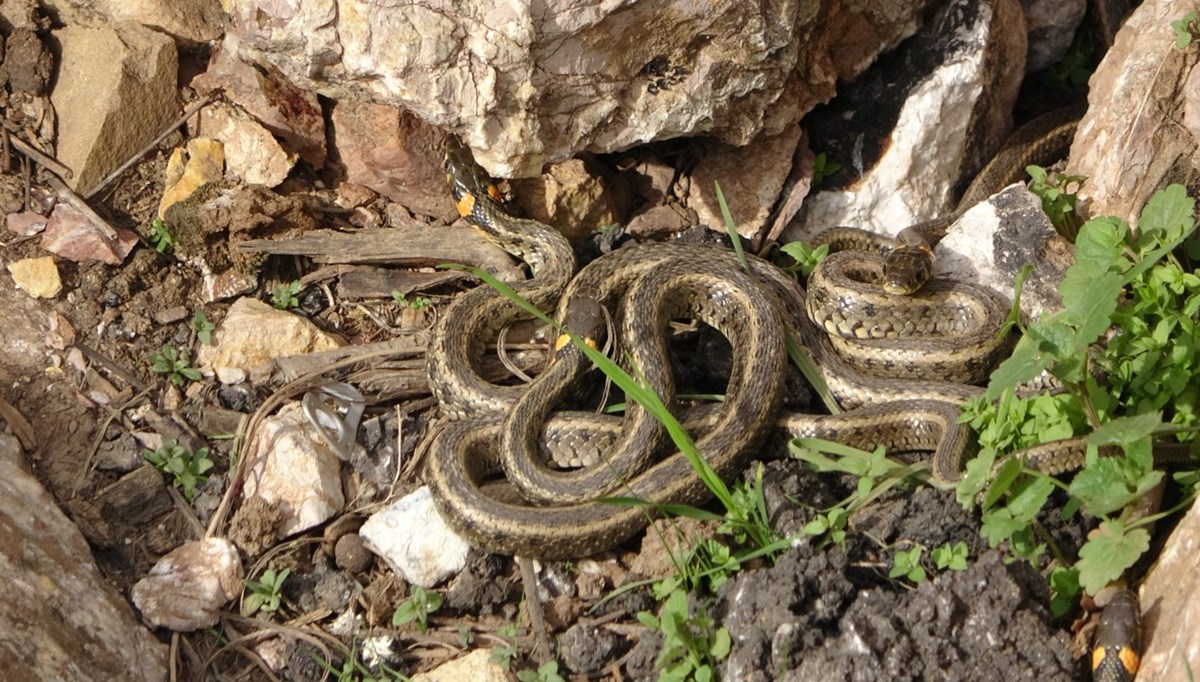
<point>193,21</point>
<point>926,116</point>
<point>525,83</point>
<point>394,153</point>
<point>62,621</point>
<point>116,91</point>
<point>1140,130</point>
<point>1170,613</point>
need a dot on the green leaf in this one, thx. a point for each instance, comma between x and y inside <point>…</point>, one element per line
<point>1100,244</point>
<point>1064,589</point>
<point>1166,216</point>
<point>648,619</point>
<point>1025,363</point>
<point>1110,483</point>
<point>1111,550</point>
<point>1126,430</point>
<point>1090,300</point>
<point>721,644</point>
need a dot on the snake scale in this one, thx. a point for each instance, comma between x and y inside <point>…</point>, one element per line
<point>505,429</point>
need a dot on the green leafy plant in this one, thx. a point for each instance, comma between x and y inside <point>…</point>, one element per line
<point>176,367</point>
<point>1058,195</point>
<point>188,468</point>
<point>906,563</point>
<point>1187,30</point>
<point>285,296</point>
<point>353,670</point>
<point>804,257</point>
<point>950,557</point>
<point>416,302</point>
<point>265,593</point>
<point>1136,285</point>
<point>160,237</point>
<point>420,603</point>
<point>692,646</point>
<point>202,327</point>
<point>547,672</point>
<point>823,167</point>
<point>503,654</point>
<point>876,474</point>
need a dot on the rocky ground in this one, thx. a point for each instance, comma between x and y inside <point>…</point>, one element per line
<point>274,245</point>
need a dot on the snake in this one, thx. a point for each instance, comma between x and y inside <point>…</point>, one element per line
<point>504,430</point>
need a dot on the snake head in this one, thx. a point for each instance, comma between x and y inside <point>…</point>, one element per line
<point>587,319</point>
<point>906,269</point>
<point>465,176</point>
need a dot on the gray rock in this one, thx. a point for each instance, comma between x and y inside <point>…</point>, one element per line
<point>1170,618</point>
<point>62,621</point>
<point>930,113</point>
<point>1051,25</point>
<point>187,588</point>
<point>1140,131</point>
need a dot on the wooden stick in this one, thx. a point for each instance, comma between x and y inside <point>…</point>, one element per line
<point>42,160</point>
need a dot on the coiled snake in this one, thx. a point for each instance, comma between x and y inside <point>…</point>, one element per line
<point>505,429</point>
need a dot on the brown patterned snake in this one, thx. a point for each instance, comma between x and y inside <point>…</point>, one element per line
<point>505,429</point>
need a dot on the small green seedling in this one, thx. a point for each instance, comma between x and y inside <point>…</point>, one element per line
<point>505,653</point>
<point>417,608</point>
<point>1187,30</point>
<point>692,647</point>
<point>286,296</point>
<point>951,557</point>
<point>176,368</point>
<point>203,327</point>
<point>160,237</point>
<point>1058,195</point>
<point>907,564</point>
<point>823,168</point>
<point>805,256</point>
<point>416,302</point>
<point>265,593</point>
<point>188,468</point>
<point>548,672</point>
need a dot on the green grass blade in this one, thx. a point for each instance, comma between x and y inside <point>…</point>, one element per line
<point>633,390</point>
<point>731,227</point>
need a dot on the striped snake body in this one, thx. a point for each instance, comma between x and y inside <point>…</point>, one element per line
<point>506,429</point>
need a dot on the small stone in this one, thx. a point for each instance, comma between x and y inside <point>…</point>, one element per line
<point>476,666</point>
<point>252,154</point>
<point>587,648</point>
<point>190,168</point>
<point>170,315</point>
<point>253,334</point>
<point>25,223</point>
<point>289,113</point>
<point>351,553</point>
<point>394,153</point>
<point>231,375</point>
<point>72,235</point>
<point>415,541</point>
<point>187,588</point>
<point>37,277</point>
<point>295,471</point>
<point>751,179</point>
<point>569,198</point>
